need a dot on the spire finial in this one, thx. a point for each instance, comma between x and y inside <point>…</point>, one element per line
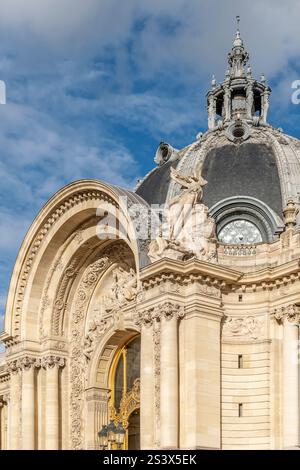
<point>213,81</point>
<point>238,34</point>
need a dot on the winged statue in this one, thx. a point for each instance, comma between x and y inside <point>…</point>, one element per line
<point>191,188</point>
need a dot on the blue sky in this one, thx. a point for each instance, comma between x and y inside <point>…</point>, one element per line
<point>93,86</point>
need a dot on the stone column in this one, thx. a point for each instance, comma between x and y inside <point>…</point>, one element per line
<point>52,415</point>
<point>169,393</point>
<point>289,316</point>
<point>200,376</point>
<point>290,383</point>
<point>28,403</point>
<point>147,397</point>
<point>14,406</point>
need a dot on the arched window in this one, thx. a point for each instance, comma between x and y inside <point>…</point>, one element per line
<point>245,220</point>
<point>125,388</point>
<point>240,231</point>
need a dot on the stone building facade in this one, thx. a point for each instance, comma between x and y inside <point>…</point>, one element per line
<point>188,340</point>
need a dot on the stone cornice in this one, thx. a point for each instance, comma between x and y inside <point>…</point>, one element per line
<point>8,340</point>
<point>276,273</point>
<point>181,268</point>
<point>4,376</point>
<point>218,275</point>
<point>50,345</point>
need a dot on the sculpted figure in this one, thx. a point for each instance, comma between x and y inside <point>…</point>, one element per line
<point>189,230</point>
<point>211,112</point>
<point>250,98</point>
<point>265,106</point>
<point>180,206</point>
<point>227,103</point>
<point>124,286</point>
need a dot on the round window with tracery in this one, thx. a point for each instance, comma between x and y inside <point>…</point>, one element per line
<point>240,232</point>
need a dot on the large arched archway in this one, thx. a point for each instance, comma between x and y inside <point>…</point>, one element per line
<point>73,287</point>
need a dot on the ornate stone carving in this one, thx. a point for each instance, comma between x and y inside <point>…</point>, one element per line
<point>96,329</point>
<point>13,367</point>
<point>288,312</point>
<point>93,271</point>
<point>124,288</point>
<point>23,363</point>
<point>48,362</point>
<point>80,345</point>
<point>244,327</point>
<point>290,214</point>
<point>166,310</point>
<point>26,363</point>
<point>144,318</point>
<point>188,231</point>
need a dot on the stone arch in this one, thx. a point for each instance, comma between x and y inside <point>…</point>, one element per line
<point>83,339</point>
<point>51,231</point>
<point>97,391</point>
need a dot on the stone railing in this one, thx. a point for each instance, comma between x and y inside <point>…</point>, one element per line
<point>237,250</point>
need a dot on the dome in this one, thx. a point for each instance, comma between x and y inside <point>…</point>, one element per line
<point>249,178</point>
<point>252,168</point>
<point>154,187</point>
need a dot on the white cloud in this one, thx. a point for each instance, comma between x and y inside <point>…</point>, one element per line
<point>205,30</point>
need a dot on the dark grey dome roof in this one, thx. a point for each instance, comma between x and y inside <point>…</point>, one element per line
<point>264,166</point>
<point>248,169</point>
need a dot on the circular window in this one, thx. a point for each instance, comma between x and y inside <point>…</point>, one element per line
<point>240,232</point>
<point>238,132</point>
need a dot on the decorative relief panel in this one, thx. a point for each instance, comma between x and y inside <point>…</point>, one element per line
<point>249,327</point>
<point>110,313</point>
